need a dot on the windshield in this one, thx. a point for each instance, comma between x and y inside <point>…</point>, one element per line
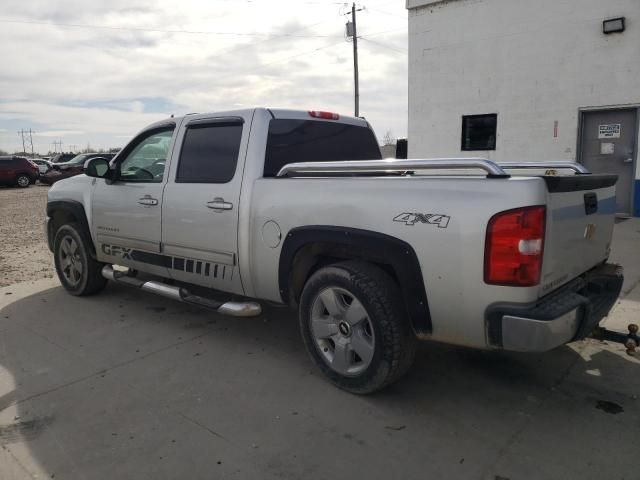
<point>78,159</point>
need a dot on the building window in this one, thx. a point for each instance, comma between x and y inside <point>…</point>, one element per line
<point>479,132</point>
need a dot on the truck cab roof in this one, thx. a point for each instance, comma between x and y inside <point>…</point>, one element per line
<point>276,113</point>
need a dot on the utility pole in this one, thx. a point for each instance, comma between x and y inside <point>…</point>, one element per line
<point>22,134</point>
<point>352,31</point>
<point>56,145</point>
<point>31,142</point>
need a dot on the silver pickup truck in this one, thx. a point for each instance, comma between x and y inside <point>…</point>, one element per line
<point>298,208</point>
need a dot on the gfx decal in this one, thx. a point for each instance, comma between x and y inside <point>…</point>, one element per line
<point>116,251</point>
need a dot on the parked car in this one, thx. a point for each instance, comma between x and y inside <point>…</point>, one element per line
<point>62,157</point>
<point>18,171</point>
<point>288,207</point>
<point>75,166</point>
<point>43,165</point>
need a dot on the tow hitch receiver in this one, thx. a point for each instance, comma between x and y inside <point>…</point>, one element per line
<point>631,341</point>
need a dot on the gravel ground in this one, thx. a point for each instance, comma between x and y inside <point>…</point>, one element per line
<point>23,247</point>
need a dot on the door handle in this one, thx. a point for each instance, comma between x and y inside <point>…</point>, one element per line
<point>148,200</point>
<point>628,160</point>
<point>219,204</point>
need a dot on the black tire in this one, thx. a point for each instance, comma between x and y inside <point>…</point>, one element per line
<point>23,181</point>
<point>90,280</point>
<point>394,342</point>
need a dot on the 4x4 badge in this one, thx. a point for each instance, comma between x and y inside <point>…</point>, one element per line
<point>442,221</point>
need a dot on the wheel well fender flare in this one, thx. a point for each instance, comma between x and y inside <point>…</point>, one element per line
<point>308,248</point>
<point>64,211</point>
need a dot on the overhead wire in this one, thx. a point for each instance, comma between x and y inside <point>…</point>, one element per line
<point>396,49</point>
<point>241,47</point>
<point>375,9</point>
<point>237,48</point>
<point>158,30</point>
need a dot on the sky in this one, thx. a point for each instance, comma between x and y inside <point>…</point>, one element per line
<point>94,72</point>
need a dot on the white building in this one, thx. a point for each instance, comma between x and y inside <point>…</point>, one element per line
<point>527,80</point>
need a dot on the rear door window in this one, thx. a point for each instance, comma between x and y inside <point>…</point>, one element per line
<point>210,152</point>
<point>292,141</point>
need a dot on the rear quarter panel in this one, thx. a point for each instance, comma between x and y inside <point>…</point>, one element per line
<point>451,254</point>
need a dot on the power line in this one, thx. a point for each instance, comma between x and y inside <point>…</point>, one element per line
<point>157,30</point>
<point>383,32</point>
<point>237,48</point>
<point>307,52</point>
<point>297,2</point>
<point>291,57</point>
<point>285,59</point>
<point>387,13</point>
<point>395,49</point>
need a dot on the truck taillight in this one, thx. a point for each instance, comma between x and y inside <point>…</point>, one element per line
<point>514,247</point>
<point>324,115</point>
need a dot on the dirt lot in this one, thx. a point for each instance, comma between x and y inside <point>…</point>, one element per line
<point>23,248</point>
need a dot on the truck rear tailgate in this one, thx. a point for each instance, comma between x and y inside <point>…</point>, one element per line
<point>580,218</point>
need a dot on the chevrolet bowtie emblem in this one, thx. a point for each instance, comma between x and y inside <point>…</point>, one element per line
<point>589,231</point>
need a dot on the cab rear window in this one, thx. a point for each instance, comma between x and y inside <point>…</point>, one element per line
<point>292,141</point>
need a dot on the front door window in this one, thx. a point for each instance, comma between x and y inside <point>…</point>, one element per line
<point>146,161</point>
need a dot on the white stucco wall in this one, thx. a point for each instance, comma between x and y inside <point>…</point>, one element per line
<point>531,62</point>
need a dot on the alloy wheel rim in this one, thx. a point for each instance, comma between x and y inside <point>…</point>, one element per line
<point>23,181</point>
<point>70,260</point>
<point>342,331</point>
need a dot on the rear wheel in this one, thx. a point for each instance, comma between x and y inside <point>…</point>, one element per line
<point>355,327</point>
<point>78,271</point>
<point>23,181</point>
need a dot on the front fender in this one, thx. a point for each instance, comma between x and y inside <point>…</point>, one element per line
<point>65,211</point>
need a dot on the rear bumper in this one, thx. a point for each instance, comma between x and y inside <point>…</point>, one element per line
<point>49,180</point>
<point>567,314</point>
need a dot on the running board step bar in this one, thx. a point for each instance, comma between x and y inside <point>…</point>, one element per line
<point>233,309</point>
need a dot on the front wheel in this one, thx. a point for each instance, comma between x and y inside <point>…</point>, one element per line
<point>79,273</point>
<point>355,327</point>
<point>23,181</point>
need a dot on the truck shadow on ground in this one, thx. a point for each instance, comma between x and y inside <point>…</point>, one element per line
<point>114,386</point>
